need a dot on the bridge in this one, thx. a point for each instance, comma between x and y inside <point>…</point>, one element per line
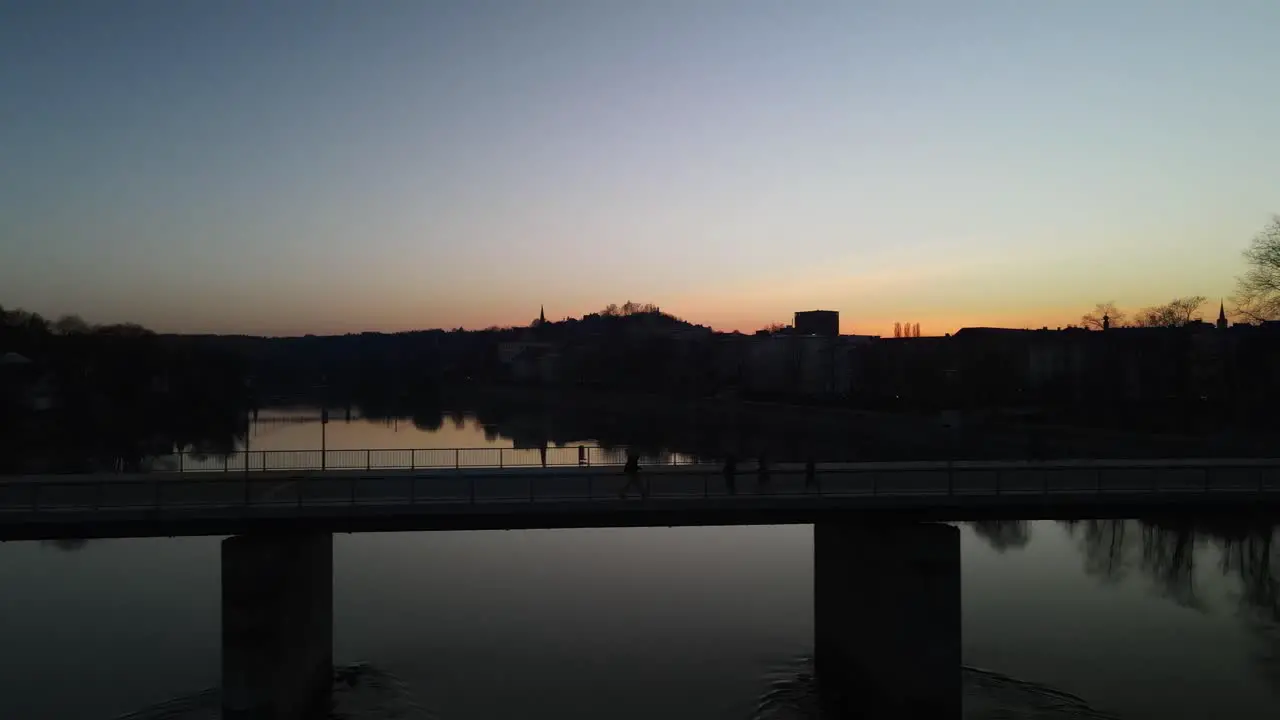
<point>886,567</point>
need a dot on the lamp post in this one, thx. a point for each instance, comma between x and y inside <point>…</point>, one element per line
<point>324,421</point>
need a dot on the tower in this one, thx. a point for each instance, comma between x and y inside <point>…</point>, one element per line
<point>1222,316</point>
<point>1106,322</point>
<point>542,315</point>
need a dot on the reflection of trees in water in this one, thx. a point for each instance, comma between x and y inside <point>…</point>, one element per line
<point>430,421</point>
<point>1169,558</point>
<point>1165,553</point>
<point>1169,552</point>
<point>708,430</point>
<point>1103,545</point>
<point>1003,535</point>
<point>1254,560</point>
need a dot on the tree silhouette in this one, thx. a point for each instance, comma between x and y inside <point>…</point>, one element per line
<point>1108,310</point>
<point>1258,289</point>
<point>1175,313</point>
<point>71,325</point>
<point>772,329</point>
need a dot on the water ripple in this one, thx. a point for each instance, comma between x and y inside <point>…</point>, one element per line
<point>360,692</point>
<point>792,694</point>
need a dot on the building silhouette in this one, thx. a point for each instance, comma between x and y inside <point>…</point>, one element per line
<point>818,322</point>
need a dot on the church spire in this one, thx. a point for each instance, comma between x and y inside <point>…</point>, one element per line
<point>542,315</point>
<point>1222,315</point>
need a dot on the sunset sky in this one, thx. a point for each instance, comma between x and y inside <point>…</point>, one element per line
<point>293,167</point>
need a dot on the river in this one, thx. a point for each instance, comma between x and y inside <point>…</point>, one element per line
<point>1137,620</point>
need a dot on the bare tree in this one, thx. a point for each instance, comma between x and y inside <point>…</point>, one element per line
<point>1258,290</point>
<point>1175,313</point>
<point>1104,310</point>
<point>915,330</point>
<point>897,329</point>
<point>772,329</point>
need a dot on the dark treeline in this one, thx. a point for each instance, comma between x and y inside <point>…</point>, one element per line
<point>80,397</point>
<point>625,346</point>
<point>633,374</point>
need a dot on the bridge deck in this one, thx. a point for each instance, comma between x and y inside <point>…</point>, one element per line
<point>229,503</point>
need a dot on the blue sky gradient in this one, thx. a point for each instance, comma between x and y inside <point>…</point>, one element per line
<point>293,167</point>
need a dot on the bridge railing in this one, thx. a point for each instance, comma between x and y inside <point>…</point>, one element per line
<point>399,459</point>
<point>48,497</point>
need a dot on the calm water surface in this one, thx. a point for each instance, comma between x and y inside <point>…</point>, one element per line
<point>638,623</point>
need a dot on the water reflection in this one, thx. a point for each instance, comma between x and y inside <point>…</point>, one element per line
<point>792,693</point>
<point>708,622</point>
<point>1173,554</point>
<point>1003,535</point>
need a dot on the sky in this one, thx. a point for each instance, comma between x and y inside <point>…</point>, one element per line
<point>316,167</point>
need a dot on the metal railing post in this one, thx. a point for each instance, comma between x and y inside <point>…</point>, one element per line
<point>413,459</point>
<point>368,460</point>
<point>181,458</point>
<point>226,459</point>
<point>501,452</point>
<point>457,458</point>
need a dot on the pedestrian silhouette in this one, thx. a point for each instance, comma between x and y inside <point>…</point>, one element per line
<point>632,471</point>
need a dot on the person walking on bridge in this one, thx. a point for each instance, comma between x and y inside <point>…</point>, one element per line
<point>632,471</point>
<point>730,473</point>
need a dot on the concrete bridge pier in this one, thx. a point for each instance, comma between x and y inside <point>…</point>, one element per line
<point>277,626</point>
<point>887,619</point>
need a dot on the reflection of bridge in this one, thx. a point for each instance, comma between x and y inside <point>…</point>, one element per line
<point>886,575</point>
